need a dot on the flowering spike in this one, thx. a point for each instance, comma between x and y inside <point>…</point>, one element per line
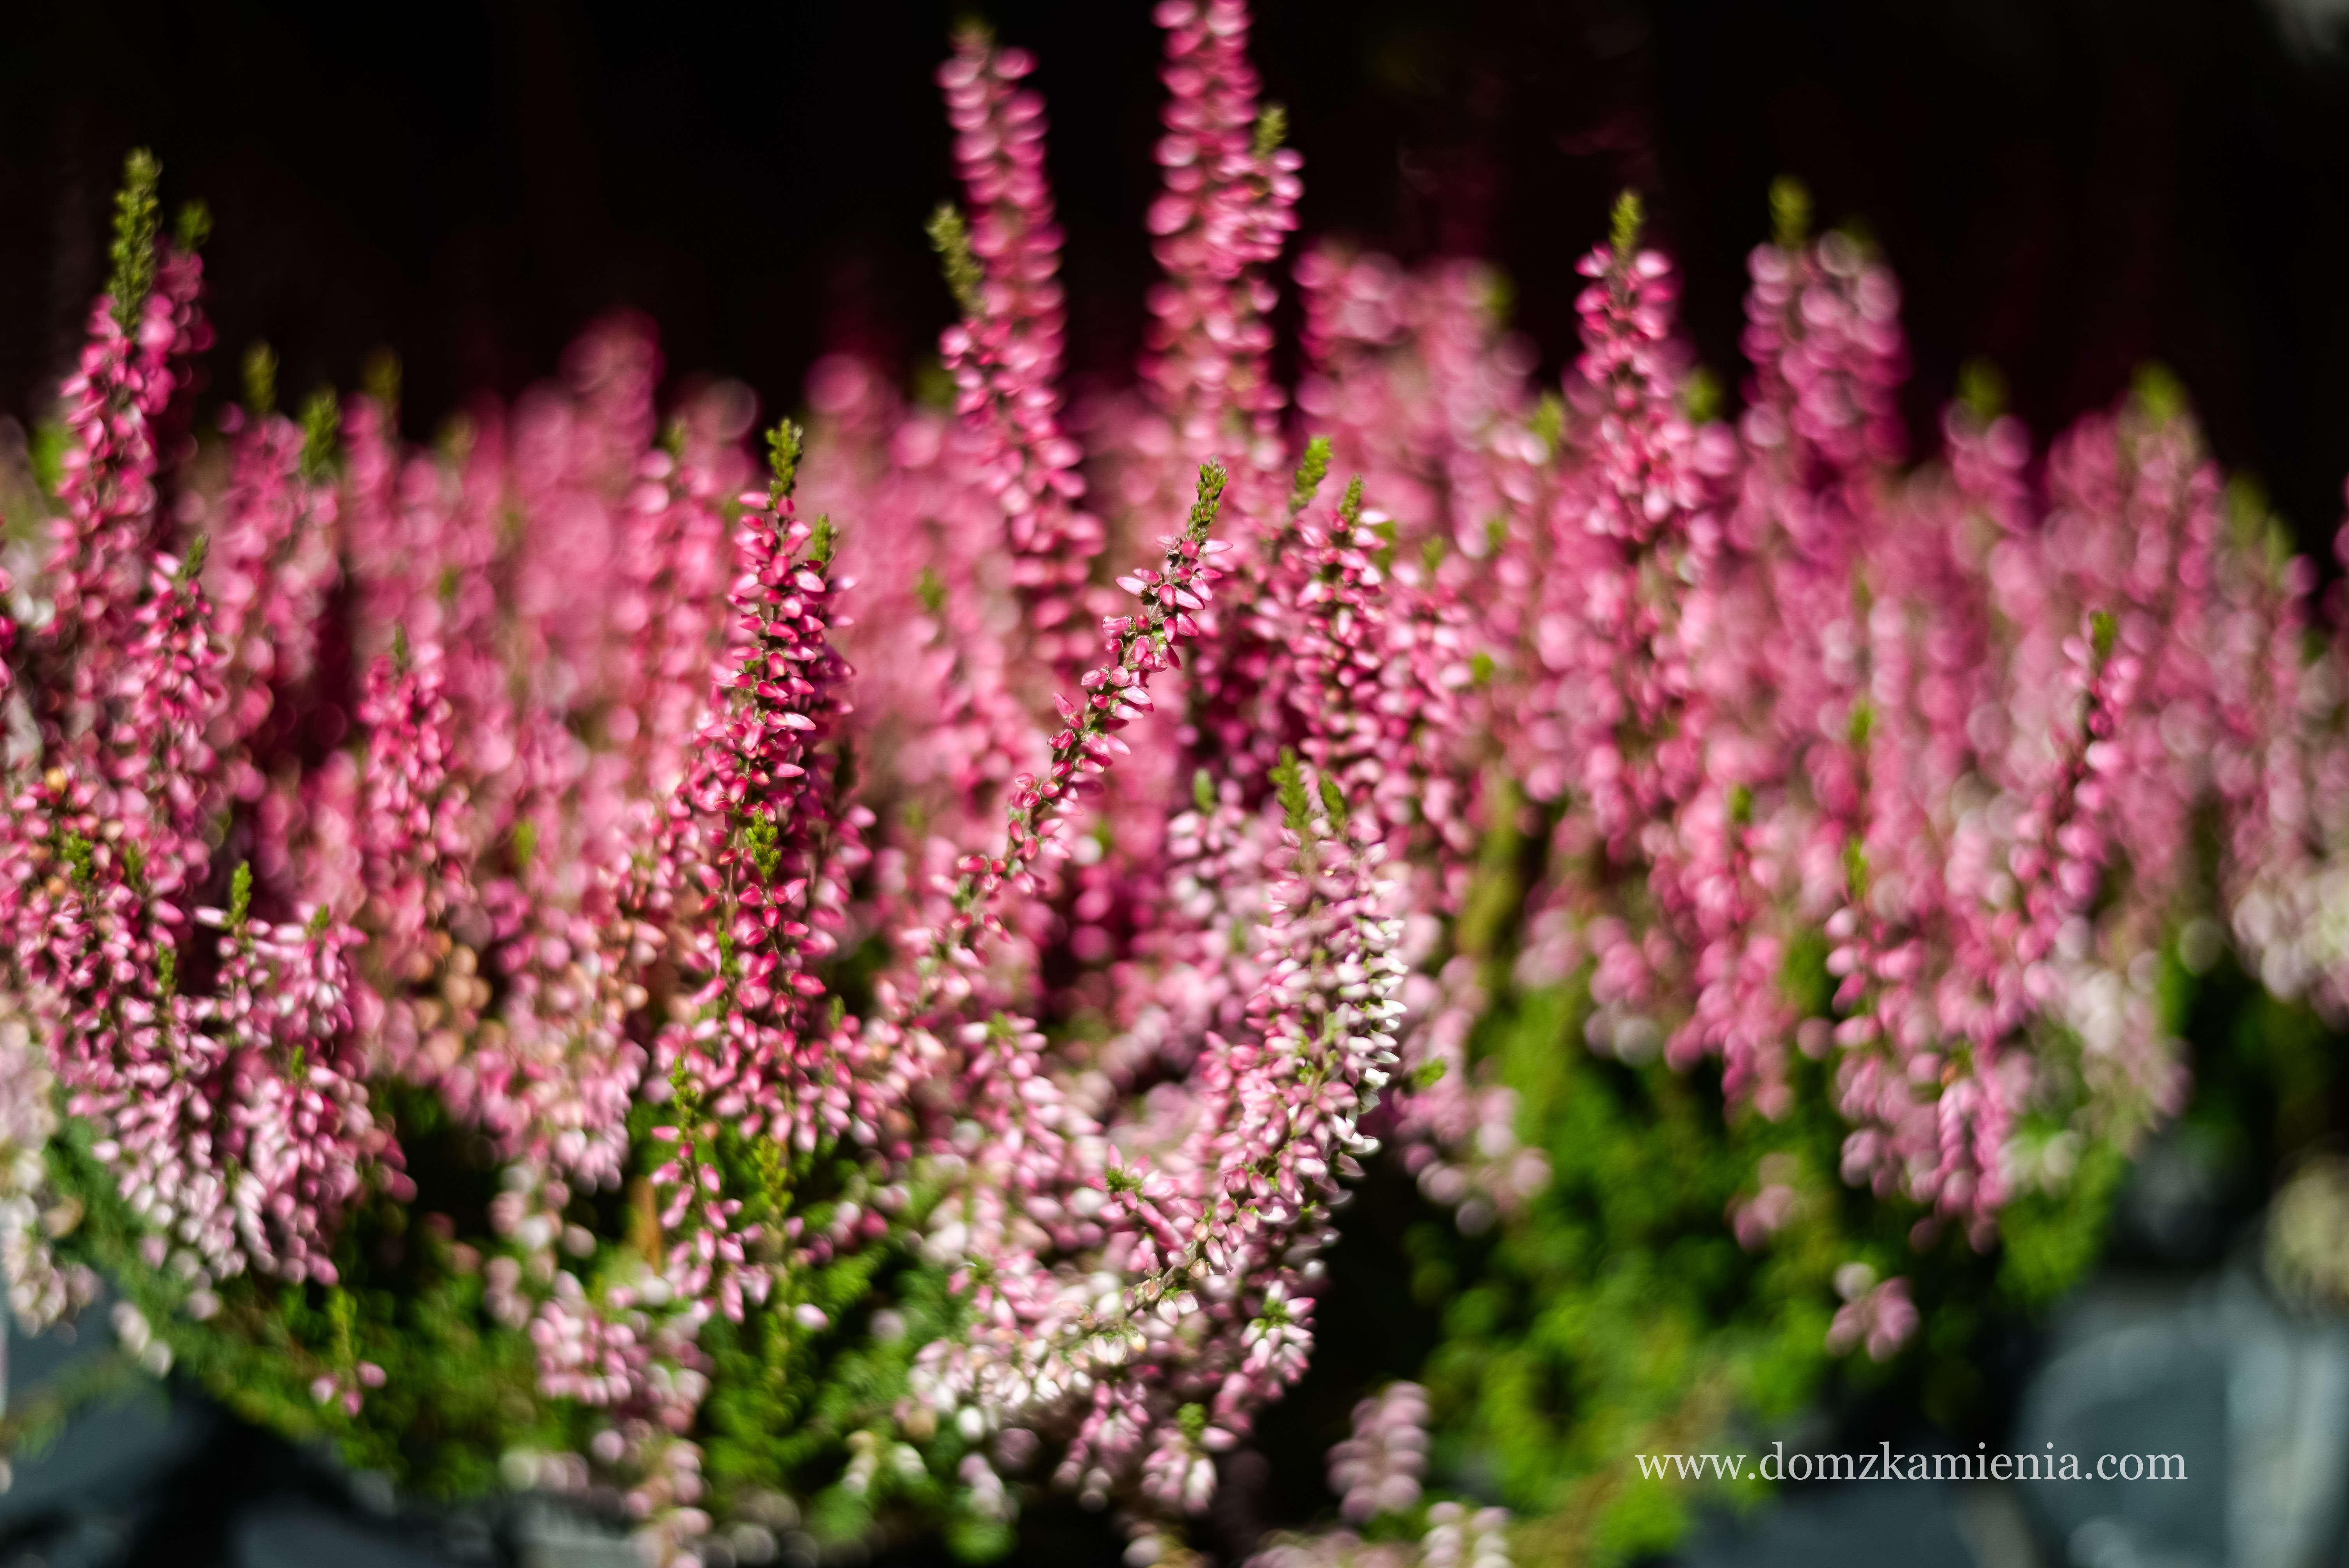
<point>1227,207</point>
<point>1005,351</point>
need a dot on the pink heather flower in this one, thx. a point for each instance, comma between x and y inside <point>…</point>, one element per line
<point>1005,354</point>
<point>130,370</point>
<point>1421,393</point>
<point>1229,205</point>
<point>1109,696</point>
<point>268,571</point>
<point>415,820</point>
<point>943,716</point>
<point>1457,1538</point>
<point>1377,1469</point>
<point>1217,1242</point>
<point>297,1124</point>
<point>1332,1549</point>
<point>1877,1315</point>
<point>756,848</point>
<point>40,1289</point>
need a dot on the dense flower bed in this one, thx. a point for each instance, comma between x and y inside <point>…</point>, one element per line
<point>847,995</point>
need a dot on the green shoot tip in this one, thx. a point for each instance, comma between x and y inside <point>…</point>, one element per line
<point>950,237</point>
<point>1212,478</point>
<point>1790,212</point>
<point>193,227</point>
<point>1981,390</point>
<point>1271,130</point>
<point>137,219</point>
<point>785,442</point>
<point>1309,474</point>
<point>1289,784</point>
<point>1624,232</point>
<point>380,381</point>
<point>322,425</point>
<point>2159,393</point>
<point>260,380</point>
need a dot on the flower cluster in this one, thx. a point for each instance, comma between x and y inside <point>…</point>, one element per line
<point>1379,1469</point>
<point>925,998</point>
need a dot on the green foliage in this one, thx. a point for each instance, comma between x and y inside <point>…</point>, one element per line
<point>2050,1243</point>
<point>461,1389</point>
<point>45,455</point>
<point>1619,1314</point>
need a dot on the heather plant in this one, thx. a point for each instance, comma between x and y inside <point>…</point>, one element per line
<point>844,992</point>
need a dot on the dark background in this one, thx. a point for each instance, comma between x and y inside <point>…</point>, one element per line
<point>2066,187</point>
